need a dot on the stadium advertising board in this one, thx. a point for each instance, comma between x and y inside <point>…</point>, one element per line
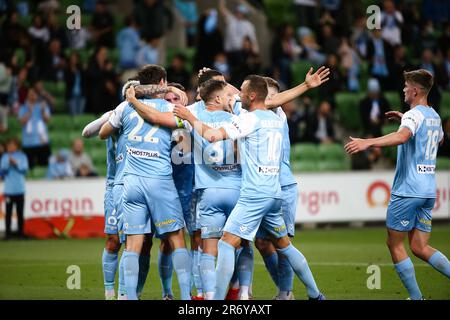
<point>74,208</point>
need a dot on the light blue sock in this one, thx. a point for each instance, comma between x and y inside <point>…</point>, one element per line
<point>285,274</point>
<point>298,262</point>
<point>144,266</point>
<point>208,272</point>
<point>245,266</point>
<point>196,254</point>
<point>405,270</point>
<point>165,268</point>
<point>182,266</point>
<point>234,278</point>
<point>122,288</point>
<point>131,268</point>
<point>109,264</point>
<point>271,263</point>
<point>440,263</point>
<point>224,269</point>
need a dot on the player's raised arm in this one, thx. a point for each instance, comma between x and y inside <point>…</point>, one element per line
<point>391,139</point>
<point>311,81</point>
<point>150,114</point>
<point>210,134</point>
<point>92,129</point>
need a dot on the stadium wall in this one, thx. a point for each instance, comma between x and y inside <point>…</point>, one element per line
<point>74,208</point>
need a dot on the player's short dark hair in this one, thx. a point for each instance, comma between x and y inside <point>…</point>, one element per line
<point>272,83</point>
<point>176,85</point>
<point>421,78</point>
<point>151,74</point>
<point>14,140</point>
<point>208,75</point>
<point>258,85</point>
<point>210,87</point>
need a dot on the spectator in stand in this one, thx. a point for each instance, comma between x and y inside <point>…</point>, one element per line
<point>306,11</point>
<point>222,65</point>
<point>312,50</point>
<point>96,91</point>
<point>128,43</point>
<point>75,85</point>
<point>177,71</point>
<point>248,63</point>
<point>330,43</point>
<point>209,40</point>
<point>427,63</point>
<point>372,108</point>
<point>153,17</point>
<point>294,120</point>
<point>43,95</point>
<point>77,156</point>
<point>56,31</point>
<point>148,52</point>
<point>48,6</point>
<point>14,167</point>
<point>237,27</point>
<point>285,50</point>
<point>445,71</point>
<point>12,31</point>
<point>59,166</point>
<point>78,38</point>
<point>40,36</point>
<point>33,117</point>
<point>54,62</point>
<point>38,30</point>
<point>399,65</point>
<point>336,82</point>
<point>188,11</point>
<point>350,62</point>
<point>102,25</point>
<point>319,127</point>
<point>444,40</point>
<point>427,39</point>
<point>391,23</point>
<point>5,89</point>
<point>112,87</point>
<point>379,54</point>
<point>444,149</point>
<point>360,35</point>
<point>84,172</point>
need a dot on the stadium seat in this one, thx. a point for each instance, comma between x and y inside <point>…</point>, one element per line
<point>442,163</point>
<point>60,122</point>
<point>330,152</point>
<point>347,105</point>
<point>394,100</point>
<point>389,128</point>
<point>299,70</point>
<point>334,165</point>
<point>80,121</point>
<point>304,166</point>
<point>305,152</point>
<point>37,173</point>
<point>445,105</point>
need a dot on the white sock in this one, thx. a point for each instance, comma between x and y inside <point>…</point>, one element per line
<point>243,293</point>
<point>209,295</point>
<point>122,297</point>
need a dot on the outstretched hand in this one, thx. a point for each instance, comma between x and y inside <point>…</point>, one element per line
<point>318,78</point>
<point>394,115</point>
<point>356,145</point>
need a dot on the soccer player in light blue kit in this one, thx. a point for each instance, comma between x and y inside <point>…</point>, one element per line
<point>414,188</point>
<point>260,134</point>
<point>217,177</point>
<point>150,200</point>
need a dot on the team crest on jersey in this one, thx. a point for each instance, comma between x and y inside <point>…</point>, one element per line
<point>119,158</point>
<point>404,223</point>
<point>243,228</point>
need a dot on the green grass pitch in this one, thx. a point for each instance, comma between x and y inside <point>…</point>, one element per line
<point>338,259</point>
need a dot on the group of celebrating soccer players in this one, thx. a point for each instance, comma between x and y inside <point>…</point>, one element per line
<point>218,168</point>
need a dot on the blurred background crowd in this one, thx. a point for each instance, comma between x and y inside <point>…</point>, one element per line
<point>54,80</point>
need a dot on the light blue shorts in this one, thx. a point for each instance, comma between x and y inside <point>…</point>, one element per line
<point>215,206</point>
<point>250,214</point>
<point>288,209</point>
<point>407,213</point>
<point>111,220</point>
<point>151,202</point>
<point>118,206</point>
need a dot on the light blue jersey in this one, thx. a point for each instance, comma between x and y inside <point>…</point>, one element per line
<point>286,176</point>
<point>416,160</point>
<point>215,163</point>
<point>148,146</point>
<point>110,158</point>
<point>260,135</point>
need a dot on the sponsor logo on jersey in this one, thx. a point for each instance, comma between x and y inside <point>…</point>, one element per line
<point>271,123</point>
<point>139,153</point>
<point>426,168</point>
<point>269,170</point>
<point>119,158</point>
<point>233,167</point>
<point>243,228</point>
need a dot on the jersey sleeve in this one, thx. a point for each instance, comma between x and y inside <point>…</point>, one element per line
<point>168,107</point>
<point>241,126</point>
<point>115,119</point>
<point>412,120</point>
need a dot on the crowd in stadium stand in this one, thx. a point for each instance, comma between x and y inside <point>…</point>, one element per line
<point>412,36</point>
